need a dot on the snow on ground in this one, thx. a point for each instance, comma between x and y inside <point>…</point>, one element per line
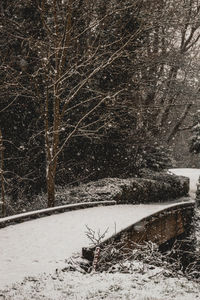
<point>145,283</point>
<point>35,249</point>
<point>42,245</point>
<point>193,175</point>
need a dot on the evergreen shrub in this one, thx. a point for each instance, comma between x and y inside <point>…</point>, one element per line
<point>157,187</point>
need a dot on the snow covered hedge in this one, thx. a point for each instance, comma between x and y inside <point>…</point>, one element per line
<point>155,187</point>
<point>149,187</point>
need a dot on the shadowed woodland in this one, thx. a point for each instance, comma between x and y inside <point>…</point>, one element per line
<point>93,89</point>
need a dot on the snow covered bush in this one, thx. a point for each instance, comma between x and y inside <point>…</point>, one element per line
<point>179,185</point>
<point>151,187</point>
<point>119,257</point>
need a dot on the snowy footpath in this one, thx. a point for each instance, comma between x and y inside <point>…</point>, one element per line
<point>37,250</point>
<point>193,175</point>
<point>43,245</point>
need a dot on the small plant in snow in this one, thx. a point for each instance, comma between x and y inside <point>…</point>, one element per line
<point>95,237</point>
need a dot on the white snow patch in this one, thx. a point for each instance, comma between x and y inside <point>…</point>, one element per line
<point>144,283</point>
<point>42,245</point>
<point>193,175</point>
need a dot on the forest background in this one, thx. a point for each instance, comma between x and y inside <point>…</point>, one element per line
<point>93,88</point>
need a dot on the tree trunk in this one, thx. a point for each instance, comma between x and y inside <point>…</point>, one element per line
<point>50,178</point>
<point>179,122</point>
<point>2,176</point>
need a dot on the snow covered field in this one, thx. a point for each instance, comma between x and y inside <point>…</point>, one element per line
<point>42,245</point>
<point>35,249</point>
<point>145,283</point>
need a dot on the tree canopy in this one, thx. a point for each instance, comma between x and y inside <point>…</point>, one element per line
<point>90,89</point>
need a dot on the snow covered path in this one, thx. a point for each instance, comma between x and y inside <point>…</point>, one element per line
<point>193,174</point>
<point>42,245</point>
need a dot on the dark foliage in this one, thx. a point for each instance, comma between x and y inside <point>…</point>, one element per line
<point>118,139</point>
<point>194,144</point>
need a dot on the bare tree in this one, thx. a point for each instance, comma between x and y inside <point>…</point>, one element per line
<point>92,68</point>
<point>68,69</point>
<point>168,63</point>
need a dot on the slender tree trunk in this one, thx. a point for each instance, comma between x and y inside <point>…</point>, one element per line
<point>179,122</point>
<point>51,185</point>
<point>2,176</point>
